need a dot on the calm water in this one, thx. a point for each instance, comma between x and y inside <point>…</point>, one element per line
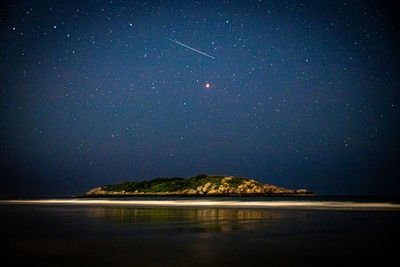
<point>104,234</point>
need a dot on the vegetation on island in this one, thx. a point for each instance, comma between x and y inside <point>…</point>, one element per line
<point>164,184</point>
<point>199,185</point>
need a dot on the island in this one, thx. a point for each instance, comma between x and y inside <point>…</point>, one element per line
<point>197,186</point>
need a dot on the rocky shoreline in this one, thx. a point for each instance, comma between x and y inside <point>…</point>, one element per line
<point>198,186</point>
<point>178,195</point>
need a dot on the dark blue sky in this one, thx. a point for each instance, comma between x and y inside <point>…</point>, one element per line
<point>303,93</point>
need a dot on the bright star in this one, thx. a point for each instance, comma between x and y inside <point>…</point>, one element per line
<point>208,85</point>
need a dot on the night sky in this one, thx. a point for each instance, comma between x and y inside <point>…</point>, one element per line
<point>300,94</point>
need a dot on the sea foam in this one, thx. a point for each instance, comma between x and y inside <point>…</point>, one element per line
<point>296,204</point>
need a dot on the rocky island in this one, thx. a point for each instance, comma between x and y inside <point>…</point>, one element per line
<point>200,185</point>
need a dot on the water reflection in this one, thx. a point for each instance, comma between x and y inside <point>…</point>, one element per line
<point>199,219</point>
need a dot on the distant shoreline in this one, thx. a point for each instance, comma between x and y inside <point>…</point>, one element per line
<point>163,194</point>
<point>213,203</point>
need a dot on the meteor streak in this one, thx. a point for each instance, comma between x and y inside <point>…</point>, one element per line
<point>191,48</point>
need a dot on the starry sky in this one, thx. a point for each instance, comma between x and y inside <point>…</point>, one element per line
<point>300,94</point>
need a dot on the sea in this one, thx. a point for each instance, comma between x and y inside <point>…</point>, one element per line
<point>315,231</point>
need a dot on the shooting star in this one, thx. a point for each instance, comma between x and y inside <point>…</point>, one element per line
<point>191,48</point>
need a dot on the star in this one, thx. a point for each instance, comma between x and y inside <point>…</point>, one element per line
<point>208,85</point>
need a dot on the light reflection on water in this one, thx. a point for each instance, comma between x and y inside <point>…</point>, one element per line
<point>200,219</point>
<point>61,233</point>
